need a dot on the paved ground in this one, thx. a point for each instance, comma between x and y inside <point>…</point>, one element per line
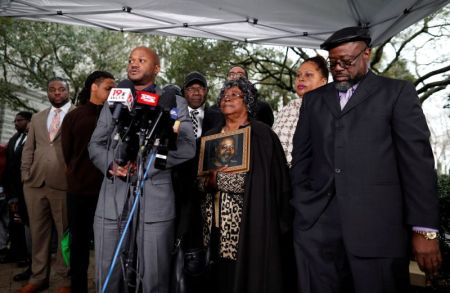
<point>7,272</point>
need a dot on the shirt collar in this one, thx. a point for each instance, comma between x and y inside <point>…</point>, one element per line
<point>200,109</point>
<point>64,108</point>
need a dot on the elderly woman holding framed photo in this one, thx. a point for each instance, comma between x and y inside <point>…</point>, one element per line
<point>246,213</point>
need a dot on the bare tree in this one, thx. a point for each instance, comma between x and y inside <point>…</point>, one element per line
<point>424,46</point>
<point>401,56</point>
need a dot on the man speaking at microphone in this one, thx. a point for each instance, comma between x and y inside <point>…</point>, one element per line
<point>155,233</point>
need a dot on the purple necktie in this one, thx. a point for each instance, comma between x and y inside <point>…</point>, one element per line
<point>345,96</point>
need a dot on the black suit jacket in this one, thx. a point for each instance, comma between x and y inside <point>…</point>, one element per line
<point>185,187</point>
<point>374,156</point>
<point>13,178</point>
<point>212,118</point>
<point>13,182</point>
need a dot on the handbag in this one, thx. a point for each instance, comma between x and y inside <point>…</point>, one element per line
<point>190,263</point>
<point>196,261</point>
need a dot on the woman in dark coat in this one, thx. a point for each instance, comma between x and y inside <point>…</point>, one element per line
<point>247,218</point>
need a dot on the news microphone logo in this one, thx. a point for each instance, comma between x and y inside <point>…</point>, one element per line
<point>121,95</point>
<point>173,113</point>
<point>146,98</point>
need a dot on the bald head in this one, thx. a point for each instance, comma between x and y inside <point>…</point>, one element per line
<point>143,66</point>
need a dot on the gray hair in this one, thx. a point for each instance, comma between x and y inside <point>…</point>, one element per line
<point>247,88</point>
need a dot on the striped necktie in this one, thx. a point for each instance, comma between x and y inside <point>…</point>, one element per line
<point>19,140</point>
<point>194,119</point>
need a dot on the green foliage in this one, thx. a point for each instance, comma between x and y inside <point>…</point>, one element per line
<point>34,52</point>
<point>209,57</point>
<point>399,70</point>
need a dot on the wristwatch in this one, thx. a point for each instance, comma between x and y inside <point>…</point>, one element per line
<point>428,235</point>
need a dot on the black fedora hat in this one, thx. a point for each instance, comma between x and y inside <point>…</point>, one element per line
<point>345,35</point>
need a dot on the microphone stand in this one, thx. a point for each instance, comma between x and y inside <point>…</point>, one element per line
<point>146,140</point>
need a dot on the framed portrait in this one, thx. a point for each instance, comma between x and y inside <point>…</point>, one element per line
<point>231,149</point>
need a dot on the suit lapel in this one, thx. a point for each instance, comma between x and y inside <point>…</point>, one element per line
<point>364,91</point>
<point>331,98</point>
<point>43,123</point>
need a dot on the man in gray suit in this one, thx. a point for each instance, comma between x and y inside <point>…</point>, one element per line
<point>45,185</point>
<point>363,178</point>
<point>155,233</point>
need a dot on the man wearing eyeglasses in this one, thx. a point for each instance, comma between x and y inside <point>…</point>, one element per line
<point>264,112</point>
<point>363,179</point>
<point>195,91</point>
<point>204,118</point>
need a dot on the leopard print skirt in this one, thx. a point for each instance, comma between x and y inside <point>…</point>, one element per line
<point>229,208</point>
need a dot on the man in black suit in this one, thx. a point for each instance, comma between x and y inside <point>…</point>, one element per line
<point>14,192</point>
<point>189,228</point>
<point>363,178</point>
<point>195,91</point>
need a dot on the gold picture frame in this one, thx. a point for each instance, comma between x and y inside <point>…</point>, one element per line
<point>231,149</point>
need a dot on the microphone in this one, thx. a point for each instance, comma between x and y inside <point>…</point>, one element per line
<point>151,118</point>
<point>168,138</point>
<point>121,96</point>
<point>146,98</point>
<point>168,100</point>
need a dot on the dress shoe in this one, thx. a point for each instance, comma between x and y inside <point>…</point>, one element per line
<point>63,290</point>
<point>23,276</point>
<point>31,288</point>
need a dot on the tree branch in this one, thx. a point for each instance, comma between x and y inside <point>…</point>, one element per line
<point>426,95</point>
<point>378,56</point>
<point>431,73</point>
<point>431,85</point>
<point>403,45</point>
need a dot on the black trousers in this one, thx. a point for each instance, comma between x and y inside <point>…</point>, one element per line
<point>325,266</point>
<point>18,250</point>
<point>81,211</point>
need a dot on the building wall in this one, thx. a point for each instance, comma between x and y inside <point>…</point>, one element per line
<point>35,99</point>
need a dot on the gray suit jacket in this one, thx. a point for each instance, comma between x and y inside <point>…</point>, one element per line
<point>374,156</point>
<point>159,199</point>
<point>42,159</point>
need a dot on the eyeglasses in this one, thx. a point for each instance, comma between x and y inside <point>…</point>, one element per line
<point>231,97</point>
<point>344,63</point>
<point>195,89</point>
<point>235,75</point>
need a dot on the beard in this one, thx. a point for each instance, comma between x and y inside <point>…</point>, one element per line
<point>59,104</point>
<point>343,86</point>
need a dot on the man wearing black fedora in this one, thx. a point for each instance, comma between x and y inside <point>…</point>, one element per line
<point>363,178</point>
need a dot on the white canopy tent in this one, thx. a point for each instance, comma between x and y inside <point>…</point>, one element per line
<point>299,23</point>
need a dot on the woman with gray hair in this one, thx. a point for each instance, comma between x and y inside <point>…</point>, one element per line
<point>246,215</point>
